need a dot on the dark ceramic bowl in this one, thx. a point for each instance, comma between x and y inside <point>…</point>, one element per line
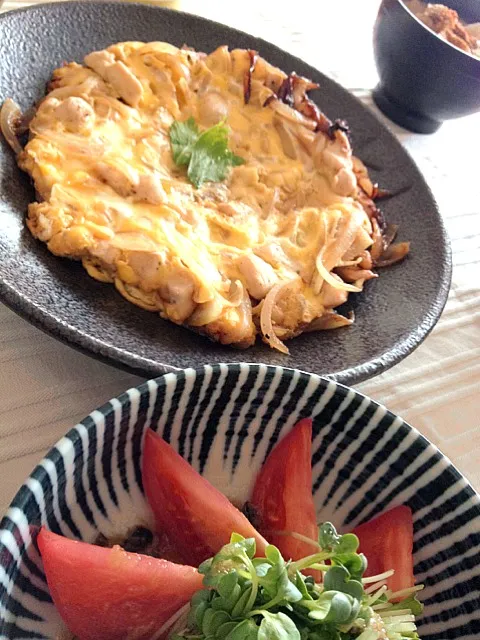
<point>424,80</point>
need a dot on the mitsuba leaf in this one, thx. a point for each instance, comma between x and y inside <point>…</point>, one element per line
<point>206,153</point>
<point>211,157</point>
<point>183,136</point>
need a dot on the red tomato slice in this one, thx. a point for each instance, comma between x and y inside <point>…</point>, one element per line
<point>387,541</point>
<point>107,594</point>
<point>282,495</point>
<point>195,516</point>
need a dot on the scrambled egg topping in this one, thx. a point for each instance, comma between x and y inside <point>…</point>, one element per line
<point>254,254</point>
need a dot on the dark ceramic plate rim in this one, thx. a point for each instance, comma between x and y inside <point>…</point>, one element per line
<point>145,367</point>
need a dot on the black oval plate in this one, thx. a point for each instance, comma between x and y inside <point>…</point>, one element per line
<point>393,315</point>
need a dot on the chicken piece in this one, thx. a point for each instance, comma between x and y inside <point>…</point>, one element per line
<point>146,266</point>
<point>293,310</point>
<point>150,189</point>
<point>99,61</point>
<point>177,295</point>
<point>44,221</point>
<point>259,276</point>
<point>76,114</point>
<point>105,253</point>
<point>48,103</point>
<point>121,182</point>
<point>273,254</point>
<point>125,83</point>
<point>212,108</point>
<point>219,61</point>
<point>117,74</point>
<point>235,326</point>
<point>339,161</point>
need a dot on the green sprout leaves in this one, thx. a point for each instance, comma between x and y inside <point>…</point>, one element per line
<point>269,598</point>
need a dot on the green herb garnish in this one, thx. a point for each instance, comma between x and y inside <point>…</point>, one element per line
<point>249,598</point>
<point>205,154</point>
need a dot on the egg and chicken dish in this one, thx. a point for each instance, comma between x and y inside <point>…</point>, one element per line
<point>207,188</point>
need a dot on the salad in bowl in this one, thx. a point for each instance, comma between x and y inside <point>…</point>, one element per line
<point>241,502</point>
<point>311,584</point>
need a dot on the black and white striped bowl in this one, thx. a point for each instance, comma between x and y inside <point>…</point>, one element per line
<point>224,419</point>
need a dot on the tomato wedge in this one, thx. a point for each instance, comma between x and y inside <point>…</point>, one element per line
<point>195,516</point>
<point>387,541</point>
<point>107,594</point>
<point>282,496</point>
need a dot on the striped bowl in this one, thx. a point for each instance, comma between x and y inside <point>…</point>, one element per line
<point>224,419</point>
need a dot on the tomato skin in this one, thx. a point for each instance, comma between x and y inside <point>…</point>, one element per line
<point>107,594</point>
<point>197,518</point>
<point>282,495</point>
<point>387,541</point>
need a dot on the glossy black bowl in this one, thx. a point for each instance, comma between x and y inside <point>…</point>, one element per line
<point>424,80</point>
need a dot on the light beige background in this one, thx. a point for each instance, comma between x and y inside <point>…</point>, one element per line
<point>45,387</point>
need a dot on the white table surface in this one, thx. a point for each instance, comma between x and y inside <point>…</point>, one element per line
<point>46,387</point>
